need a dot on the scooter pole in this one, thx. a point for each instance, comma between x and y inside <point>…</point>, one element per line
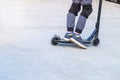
<point>95,33</point>
<point>98,19</point>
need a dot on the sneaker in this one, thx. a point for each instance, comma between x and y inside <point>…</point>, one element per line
<point>68,36</point>
<point>76,38</point>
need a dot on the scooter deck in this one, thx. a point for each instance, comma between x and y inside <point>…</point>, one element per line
<point>83,46</point>
<point>63,41</point>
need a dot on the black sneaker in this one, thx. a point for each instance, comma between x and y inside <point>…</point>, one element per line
<point>68,36</point>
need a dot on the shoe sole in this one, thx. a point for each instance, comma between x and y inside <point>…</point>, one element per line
<point>78,44</point>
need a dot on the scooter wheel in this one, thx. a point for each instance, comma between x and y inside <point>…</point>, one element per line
<point>54,40</point>
<point>96,42</point>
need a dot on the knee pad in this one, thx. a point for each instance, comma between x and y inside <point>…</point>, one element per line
<point>87,10</point>
<point>75,8</point>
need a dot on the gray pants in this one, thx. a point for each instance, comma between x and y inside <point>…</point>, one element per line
<point>81,21</point>
<point>83,2</point>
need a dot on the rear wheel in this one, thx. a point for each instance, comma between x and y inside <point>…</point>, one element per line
<point>54,40</point>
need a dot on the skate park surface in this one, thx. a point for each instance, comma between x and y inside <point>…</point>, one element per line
<point>26,53</point>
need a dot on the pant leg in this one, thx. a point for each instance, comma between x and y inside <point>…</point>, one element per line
<point>70,22</point>
<point>82,20</point>
<point>80,24</point>
<point>71,19</point>
<point>83,2</point>
<point>86,2</point>
<point>76,1</point>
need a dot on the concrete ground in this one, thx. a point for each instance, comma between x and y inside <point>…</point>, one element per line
<point>26,28</point>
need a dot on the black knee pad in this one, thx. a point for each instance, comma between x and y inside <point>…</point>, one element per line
<point>87,10</point>
<point>75,8</point>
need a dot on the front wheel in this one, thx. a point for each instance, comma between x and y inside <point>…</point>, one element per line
<point>96,42</point>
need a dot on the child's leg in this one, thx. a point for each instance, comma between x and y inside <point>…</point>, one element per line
<point>86,11</point>
<point>73,11</point>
